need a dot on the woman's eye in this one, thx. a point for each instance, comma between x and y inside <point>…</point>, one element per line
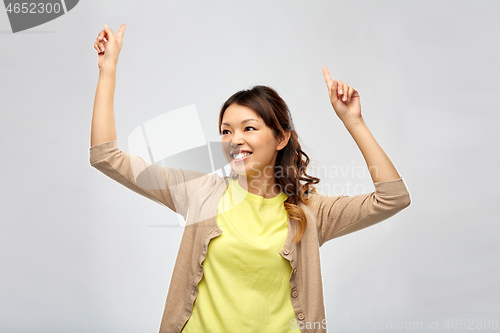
<point>224,131</point>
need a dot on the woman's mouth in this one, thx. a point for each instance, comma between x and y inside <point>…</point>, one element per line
<point>240,157</point>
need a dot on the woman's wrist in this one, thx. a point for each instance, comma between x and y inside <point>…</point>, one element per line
<point>354,122</point>
<point>107,69</point>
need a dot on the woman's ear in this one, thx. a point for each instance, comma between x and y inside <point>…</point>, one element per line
<point>284,140</point>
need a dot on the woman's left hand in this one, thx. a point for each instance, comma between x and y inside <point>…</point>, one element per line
<point>344,99</point>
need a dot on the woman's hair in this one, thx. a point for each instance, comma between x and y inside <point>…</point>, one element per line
<point>290,166</point>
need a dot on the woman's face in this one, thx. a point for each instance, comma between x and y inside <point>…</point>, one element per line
<point>247,132</point>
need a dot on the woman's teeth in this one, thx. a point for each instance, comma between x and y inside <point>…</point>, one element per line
<point>240,156</point>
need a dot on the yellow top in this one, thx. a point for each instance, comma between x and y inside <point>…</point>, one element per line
<point>245,286</point>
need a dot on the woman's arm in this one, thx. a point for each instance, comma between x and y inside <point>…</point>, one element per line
<point>171,187</point>
<point>108,48</point>
<point>337,216</point>
<point>341,215</point>
<point>380,166</point>
<point>103,117</point>
<point>346,102</point>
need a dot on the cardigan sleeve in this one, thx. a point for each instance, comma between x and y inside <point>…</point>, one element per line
<point>171,187</point>
<point>341,215</point>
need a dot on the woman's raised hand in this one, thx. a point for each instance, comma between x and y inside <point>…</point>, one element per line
<point>108,46</point>
<point>344,99</point>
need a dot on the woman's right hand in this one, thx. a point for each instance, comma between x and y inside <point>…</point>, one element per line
<point>108,46</point>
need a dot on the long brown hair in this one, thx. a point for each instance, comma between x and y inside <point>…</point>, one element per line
<point>266,102</point>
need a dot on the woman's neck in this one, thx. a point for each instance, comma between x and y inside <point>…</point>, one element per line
<point>263,186</point>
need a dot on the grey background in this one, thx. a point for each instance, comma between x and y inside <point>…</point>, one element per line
<point>80,253</point>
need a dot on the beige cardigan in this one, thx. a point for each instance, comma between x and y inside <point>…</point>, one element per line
<point>186,191</point>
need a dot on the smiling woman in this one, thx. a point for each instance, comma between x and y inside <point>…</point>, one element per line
<point>248,260</point>
<point>259,121</point>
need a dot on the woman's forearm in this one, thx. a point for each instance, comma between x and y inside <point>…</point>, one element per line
<point>380,166</point>
<point>103,117</point>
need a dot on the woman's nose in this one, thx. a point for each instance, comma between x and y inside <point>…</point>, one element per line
<point>236,141</point>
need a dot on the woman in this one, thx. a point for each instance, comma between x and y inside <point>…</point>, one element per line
<point>249,255</point>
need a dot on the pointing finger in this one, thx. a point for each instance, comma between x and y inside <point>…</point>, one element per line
<point>121,31</point>
<point>328,78</point>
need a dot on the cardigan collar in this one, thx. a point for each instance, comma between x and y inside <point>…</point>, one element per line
<point>220,186</point>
